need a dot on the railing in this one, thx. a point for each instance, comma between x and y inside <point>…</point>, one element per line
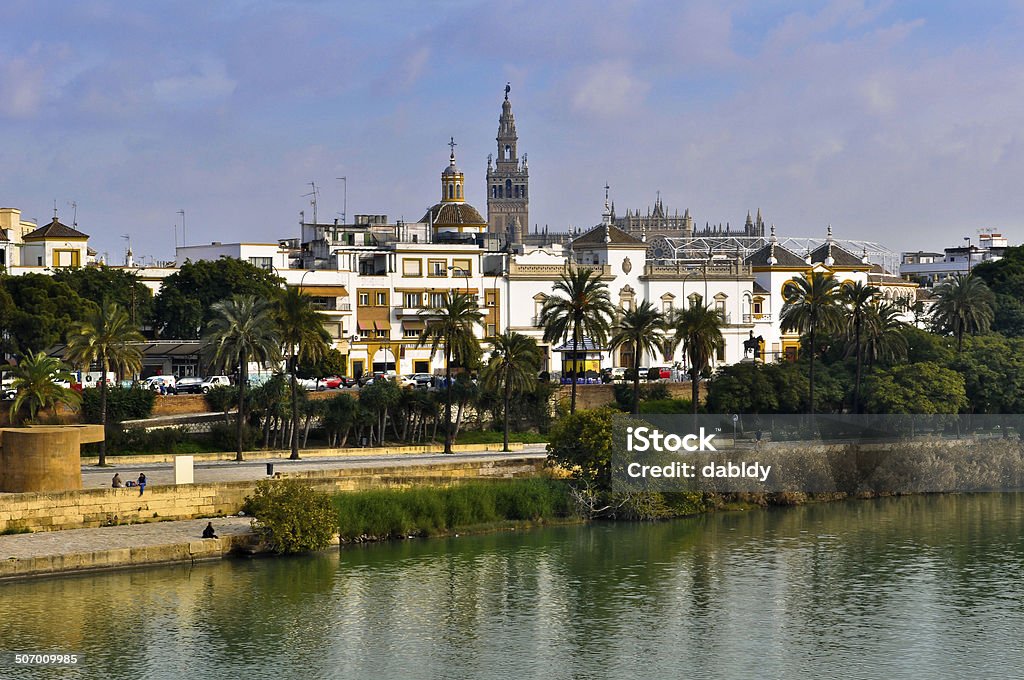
<point>553,269</point>
<point>757,318</point>
<point>687,270</point>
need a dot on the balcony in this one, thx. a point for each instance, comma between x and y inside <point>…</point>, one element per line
<point>757,318</point>
<point>551,271</point>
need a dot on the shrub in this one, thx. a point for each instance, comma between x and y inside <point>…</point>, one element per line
<point>224,437</point>
<point>133,403</point>
<point>666,406</point>
<point>290,516</point>
<point>121,441</point>
<point>221,398</point>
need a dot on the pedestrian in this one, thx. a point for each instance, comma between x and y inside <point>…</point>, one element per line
<point>116,482</point>
<point>208,532</point>
<point>142,482</point>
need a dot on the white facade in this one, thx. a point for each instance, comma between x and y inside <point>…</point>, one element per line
<point>262,255</point>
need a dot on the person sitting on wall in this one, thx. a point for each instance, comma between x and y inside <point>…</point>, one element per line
<point>208,532</point>
<point>116,482</point>
<point>142,483</point>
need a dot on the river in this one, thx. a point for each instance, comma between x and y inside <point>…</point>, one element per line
<point>927,587</point>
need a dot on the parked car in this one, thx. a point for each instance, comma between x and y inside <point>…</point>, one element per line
<point>6,391</point>
<point>617,374</point>
<point>422,380</point>
<point>407,381</point>
<point>211,381</point>
<point>189,385</point>
<point>308,384</point>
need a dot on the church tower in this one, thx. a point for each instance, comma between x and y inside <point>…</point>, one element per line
<point>508,180</point>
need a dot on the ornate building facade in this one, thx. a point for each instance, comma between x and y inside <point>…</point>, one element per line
<point>508,181</point>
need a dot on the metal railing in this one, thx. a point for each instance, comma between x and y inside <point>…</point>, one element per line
<point>757,318</point>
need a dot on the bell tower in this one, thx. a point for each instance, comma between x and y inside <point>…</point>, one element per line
<point>508,179</point>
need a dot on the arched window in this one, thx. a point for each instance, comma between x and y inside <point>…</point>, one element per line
<point>508,188</point>
<point>451,191</point>
<point>494,191</point>
<point>508,152</point>
<point>458,190</point>
<point>517,191</point>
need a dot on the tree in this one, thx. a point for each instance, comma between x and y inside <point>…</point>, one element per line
<point>581,443</point>
<point>105,338</point>
<point>184,305</point>
<point>1005,277</point>
<point>699,329</point>
<point>810,307</point>
<point>42,310</point>
<point>451,326</point>
<point>993,370</point>
<point>924,388</point>
<point>35,381</point>
<point>579,308</point>
<point>242,330</point>
<point>964,304</point>
<point>119,286</point>
<point>883,337</point>
<point>857,298</point>
<point>301,331</point>
<point>515,359</point>
<point>743,388</point>
<point>642,330</point>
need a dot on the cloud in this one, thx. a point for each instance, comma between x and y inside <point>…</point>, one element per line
<point>200,83</point>
<point>22,87</point>
<point>607,89</point>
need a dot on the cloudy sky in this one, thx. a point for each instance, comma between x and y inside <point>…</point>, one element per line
<point>893,121</point>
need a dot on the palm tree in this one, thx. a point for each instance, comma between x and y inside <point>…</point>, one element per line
<point>301,331</point>
<point>883,333</point>
<point>580,307</point>
<point>857,298</point>
<point>515,359</point>
<point>451,325</point>
<point>641,329</point>
<point>699,329</point>
<point>810,305</point>
<point>105,338</point>
<point>963,304</point>
<point>242,330</point>
<point>35,381</point>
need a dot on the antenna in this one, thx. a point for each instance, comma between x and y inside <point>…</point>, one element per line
<point>55,208</point>
<point>344,209</point>
<point>314,194</point>
<point>74,213</point>
<point>183,241</point>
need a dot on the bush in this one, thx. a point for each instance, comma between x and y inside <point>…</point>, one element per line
<point>139,440</point>
<point>224,437</point>
<point>221,398</point>
<point>648,392</point>
<point>581,443</point>
<point>123,404</point>
<point>290,516</point>
<point>666,406</point>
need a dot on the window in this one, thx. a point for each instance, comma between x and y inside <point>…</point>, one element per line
<point>438,299</point>
<point>412,267</point>
<point>381,334</point>
<point>458,190</point>
<point>720,355</point>
<point>666,306</point>
<point>382,299</point>
<point>410,333</point>
<point>491,330</point>
<point>413,299</point>
<point>462,268</point>
<point>437,267</point>
<point>757,307</point>
<point>364,299</point>
<point>490,298</point>
<point>262,262</point>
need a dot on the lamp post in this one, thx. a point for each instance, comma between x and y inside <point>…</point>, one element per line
<point>969,257</point>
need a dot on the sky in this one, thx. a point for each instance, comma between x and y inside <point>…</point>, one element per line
<point>898,122</point>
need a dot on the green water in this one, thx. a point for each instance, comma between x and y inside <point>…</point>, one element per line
<point>896,588</point>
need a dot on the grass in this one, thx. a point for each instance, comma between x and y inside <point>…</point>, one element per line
<point>430,511</point>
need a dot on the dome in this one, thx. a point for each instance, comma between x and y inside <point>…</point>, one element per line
<point>454,215</point>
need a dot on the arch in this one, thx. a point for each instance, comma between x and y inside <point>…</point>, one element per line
<point>458,190</point>
<point>451,191</point>
<point>508,152</point>
<point>508,188</point>
<point>494,191</point>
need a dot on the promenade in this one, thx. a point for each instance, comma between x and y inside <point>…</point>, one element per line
<point>72,550</point>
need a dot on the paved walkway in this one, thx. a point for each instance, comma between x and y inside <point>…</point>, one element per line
<point>256,468</point>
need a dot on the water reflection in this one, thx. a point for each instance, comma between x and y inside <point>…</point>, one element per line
<point>893,587</point>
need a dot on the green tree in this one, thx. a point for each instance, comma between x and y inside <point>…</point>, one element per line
<point>184,305</point>
<point>857,298</point>
<point>924,346</point>
<point>330,363</point>
<point>742,388</point>
<point>699,329</point>
<point>119,286</point>
<point>964,304</point>
<point>924,388</point>
<point>993,370</point>
<point>515,359</point>
<point>809,307</point>
<point>301,331</point>
<point>581,443</point>
<point>451,326</point>
<point>291,516</point>
<point>242,330</point>
<point>108,339</point>
<point>884,340</point>
<point>640,329</point>
<point>1005,277</point>
<point>580,308</point>
<point>41,312</point>
<point>35,382</point>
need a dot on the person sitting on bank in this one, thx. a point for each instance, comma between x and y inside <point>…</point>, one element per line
<point>208,531</point>
<point>116,482</point>
<point>142,482</point>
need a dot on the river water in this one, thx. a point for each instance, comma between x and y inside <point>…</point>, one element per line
<point>921,587</point>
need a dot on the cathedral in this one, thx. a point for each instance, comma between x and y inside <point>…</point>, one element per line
<point>508,182</point>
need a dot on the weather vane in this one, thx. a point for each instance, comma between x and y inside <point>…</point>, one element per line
<point>508,88</point>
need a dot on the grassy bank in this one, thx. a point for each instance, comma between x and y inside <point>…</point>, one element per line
<point>430,511</point>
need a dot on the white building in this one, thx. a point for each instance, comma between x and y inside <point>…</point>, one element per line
<point>931,269</point>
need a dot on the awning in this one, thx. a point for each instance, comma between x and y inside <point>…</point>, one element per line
<point>382,325</point>
<point>325,291</point>
<point>416,325</point>
<point>366,325</point>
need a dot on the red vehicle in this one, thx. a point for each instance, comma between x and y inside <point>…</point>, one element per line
<point>334,382</point>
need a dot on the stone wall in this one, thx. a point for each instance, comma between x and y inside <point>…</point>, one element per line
<point>100,507</point>
<point>596,396</point>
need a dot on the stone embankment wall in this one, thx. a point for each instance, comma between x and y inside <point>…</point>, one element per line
<point>596,396</point>
<point>102,507</point>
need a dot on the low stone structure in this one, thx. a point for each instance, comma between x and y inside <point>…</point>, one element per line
<point>44,458</point>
